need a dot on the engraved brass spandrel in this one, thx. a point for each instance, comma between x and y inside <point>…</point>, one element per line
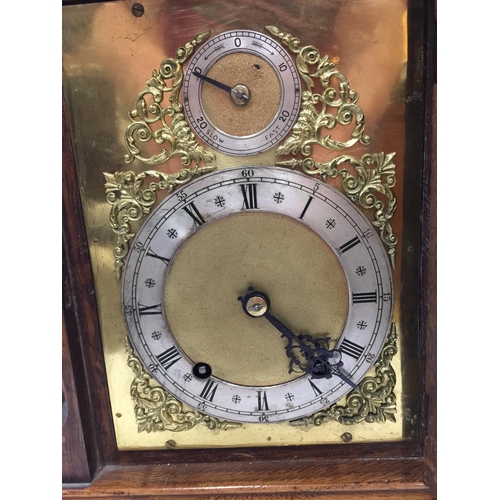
<point>311,128</point>
<point>313,121</point>
<point>307,131</point>
<point>358,189</point>
<point>91,80</point>
<point>374,401</point>
<point>157,410</point>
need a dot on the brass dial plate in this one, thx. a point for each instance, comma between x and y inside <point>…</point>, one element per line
<point>255,191</point>
<point>107,56</point>
<point>272,252</point>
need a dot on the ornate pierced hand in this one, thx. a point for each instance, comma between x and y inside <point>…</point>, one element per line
<point>307,354</point>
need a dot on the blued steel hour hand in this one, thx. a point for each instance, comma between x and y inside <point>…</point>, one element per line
<point>307,354</point>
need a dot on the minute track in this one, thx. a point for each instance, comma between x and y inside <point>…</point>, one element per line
<point>227,183</point>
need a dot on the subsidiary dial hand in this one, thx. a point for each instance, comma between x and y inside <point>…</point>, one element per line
<point>310,355</point>
<point>240,94</point>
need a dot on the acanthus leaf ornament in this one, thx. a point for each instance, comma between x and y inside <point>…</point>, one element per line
<point>375,174</point>
<point>314,116</point>
<point>374,399</point>
<point>314,119</point>
<point>131,201</point>
<point>149,121</point>
<point>188,213</point>
<point>156,410</point>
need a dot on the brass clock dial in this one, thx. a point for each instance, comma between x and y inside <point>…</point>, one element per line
<point>241,92</point>
<point>248,284</point>
<point>250,239</point>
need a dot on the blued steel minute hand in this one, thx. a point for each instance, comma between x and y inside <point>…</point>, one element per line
<point>307,354</point>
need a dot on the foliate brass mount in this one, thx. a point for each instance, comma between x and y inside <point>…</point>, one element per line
<point>157,410</point>
<point>131,201</point>
<point>149,120</point>
<point>374,400</point>
<point>375,174</point>
<point>124,192</point>
<point>146,118</point>
<point>306,132</point>
<point>311,121</point>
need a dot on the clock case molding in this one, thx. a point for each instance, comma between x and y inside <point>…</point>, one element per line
<point>92,467</point>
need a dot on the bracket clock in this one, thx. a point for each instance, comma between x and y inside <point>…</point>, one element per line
<point>248,287</point>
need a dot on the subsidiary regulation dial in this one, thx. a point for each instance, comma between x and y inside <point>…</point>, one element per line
<point>241,93</point>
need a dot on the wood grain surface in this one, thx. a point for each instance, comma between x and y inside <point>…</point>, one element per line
<point>75,468</point>
<point>429,278</point>
<point>300,479</point>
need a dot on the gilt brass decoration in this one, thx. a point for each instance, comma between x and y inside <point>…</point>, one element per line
<point>106,50</point>
<point>149,120</point>
<point>312,121</point>
<point>306,132</point>
<point>374,399</point>
<point>157,410</point>
<point>375,175</point>
<point>375,172</point>
<point>131,201</point>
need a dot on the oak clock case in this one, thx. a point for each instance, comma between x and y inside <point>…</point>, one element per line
<point>260,396</point>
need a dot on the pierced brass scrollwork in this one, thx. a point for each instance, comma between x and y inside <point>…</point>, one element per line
<point>131,201</point>
<point>374,174</point>
<point>157,410</point>
<point>374,399</point>
<point>365,181</point>
<point>314,116</point>
<point>149,120</point>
